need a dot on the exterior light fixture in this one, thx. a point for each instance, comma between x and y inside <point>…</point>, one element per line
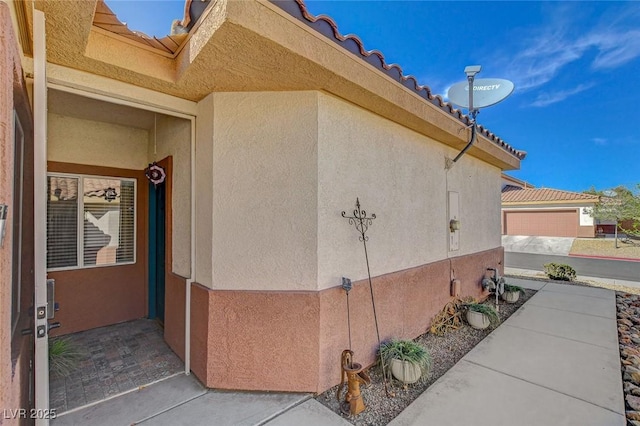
<point>454,225</point>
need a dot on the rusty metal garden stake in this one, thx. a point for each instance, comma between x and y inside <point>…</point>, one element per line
<point>362,222</point>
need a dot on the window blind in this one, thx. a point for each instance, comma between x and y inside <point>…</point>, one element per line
<point>93,229</point>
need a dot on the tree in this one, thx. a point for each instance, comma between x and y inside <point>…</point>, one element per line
<point>619,204</point>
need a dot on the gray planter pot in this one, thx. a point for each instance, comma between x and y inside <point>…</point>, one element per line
<point>477,320</point>
<point>405,371</point>
<point>511,296</point>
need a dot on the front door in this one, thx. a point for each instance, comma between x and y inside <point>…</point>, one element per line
<point>157,240</point>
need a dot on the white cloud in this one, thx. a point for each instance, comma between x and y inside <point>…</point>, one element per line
<point>549,49</point>
<point>546,98</point>
<point>599,141</point>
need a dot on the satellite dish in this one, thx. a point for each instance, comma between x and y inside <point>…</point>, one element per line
<point>486,92</point>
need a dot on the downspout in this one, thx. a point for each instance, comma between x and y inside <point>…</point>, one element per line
<point>192,276</point>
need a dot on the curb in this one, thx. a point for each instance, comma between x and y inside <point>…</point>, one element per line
<point>623,259</point>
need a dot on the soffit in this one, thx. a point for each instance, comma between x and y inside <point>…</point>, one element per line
<point>72,105</point>
<point>255,46</point>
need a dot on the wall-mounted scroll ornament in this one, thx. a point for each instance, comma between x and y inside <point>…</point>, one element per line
<point>155,174</point>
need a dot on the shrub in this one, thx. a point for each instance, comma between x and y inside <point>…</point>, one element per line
<point>559,271</point>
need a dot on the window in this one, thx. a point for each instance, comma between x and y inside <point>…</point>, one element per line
<point>90,221</point>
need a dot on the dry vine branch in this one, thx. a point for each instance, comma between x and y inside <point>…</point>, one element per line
<point>449,318</point>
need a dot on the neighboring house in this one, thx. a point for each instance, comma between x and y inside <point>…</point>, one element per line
<point>511,181</point>
<point>545,212</point>
<point>269,124</point>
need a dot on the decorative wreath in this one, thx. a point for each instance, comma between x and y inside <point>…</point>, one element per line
<point>155,174</point>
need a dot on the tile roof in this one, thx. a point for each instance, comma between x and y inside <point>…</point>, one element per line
<point>105,19</point>
<point>513,194</point>
<point>326,26</point>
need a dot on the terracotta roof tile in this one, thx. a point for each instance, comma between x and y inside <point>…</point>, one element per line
<point>512,194</point>
<point>327,27</point>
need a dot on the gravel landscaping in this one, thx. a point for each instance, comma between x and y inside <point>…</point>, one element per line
<point>604,247</point>
<point>445,352</point>
<point>628,306</point>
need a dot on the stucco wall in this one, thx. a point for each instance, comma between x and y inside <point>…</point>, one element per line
<point>264,190</point>
<point>399,175</point>
<point>281,167</point>
<point>7,63</point>
<point>204,189</point>
<point>16,350</point>
<point>174,139</point>
<point>78,141</point>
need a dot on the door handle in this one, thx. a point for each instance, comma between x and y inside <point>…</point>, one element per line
<point>52,325</point>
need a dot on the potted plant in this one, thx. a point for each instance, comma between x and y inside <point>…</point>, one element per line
<point>406,360</point>
<point>481,315</point>
<point>512,293</point>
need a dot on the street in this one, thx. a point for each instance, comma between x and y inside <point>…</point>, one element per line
<point>602,268</point>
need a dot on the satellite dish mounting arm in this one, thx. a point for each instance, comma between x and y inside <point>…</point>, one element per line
<point>471,72</point>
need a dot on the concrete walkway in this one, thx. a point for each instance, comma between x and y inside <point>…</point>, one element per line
<point>553,362</point>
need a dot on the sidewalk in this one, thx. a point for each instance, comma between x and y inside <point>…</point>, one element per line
<point>553,362</point>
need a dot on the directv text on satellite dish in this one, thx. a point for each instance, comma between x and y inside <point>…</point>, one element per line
<point>490,87</point>
<point>486,92</point>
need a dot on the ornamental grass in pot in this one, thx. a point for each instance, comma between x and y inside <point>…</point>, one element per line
<point>406,360</point>
<point>481,316</point>
<point>512,293</point>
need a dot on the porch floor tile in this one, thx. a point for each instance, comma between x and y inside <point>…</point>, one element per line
<point>115,359</point>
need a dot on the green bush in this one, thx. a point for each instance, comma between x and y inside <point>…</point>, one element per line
<point>559,271</point>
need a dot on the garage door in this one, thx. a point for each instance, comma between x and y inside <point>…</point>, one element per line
<point>552,223</point>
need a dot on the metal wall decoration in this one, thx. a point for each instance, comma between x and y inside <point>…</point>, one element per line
<point>362,222</point>
<point>155,174</point>
<point>110,194</point>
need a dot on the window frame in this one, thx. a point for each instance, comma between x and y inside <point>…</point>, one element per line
<point>81,212</point>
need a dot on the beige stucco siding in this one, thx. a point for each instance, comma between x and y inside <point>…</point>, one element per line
<point>204,191</point>
<point>275,171</point>
<point>399,175</point>
<point>393,171</point>
<point>478,184</point>
<point>265,190</point>
<point>174,139</point>
<point>74,140</point>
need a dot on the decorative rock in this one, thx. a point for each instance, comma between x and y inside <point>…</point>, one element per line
<point>626,322</point>
<point>633,415</point>
<point>629,387</point>
<point>634,402</point>
<point>630,369</point>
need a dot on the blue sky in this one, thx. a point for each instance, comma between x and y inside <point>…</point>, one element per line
<point>575,65</point>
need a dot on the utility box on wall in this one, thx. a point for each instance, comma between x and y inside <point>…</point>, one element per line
<point>454,220</point>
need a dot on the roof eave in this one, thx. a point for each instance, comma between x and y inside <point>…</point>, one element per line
<point>255,45</point>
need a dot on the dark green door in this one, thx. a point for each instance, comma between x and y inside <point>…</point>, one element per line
<point>157,240</point>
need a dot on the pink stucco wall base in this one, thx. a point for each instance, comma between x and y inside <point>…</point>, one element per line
<point>292,341</point>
